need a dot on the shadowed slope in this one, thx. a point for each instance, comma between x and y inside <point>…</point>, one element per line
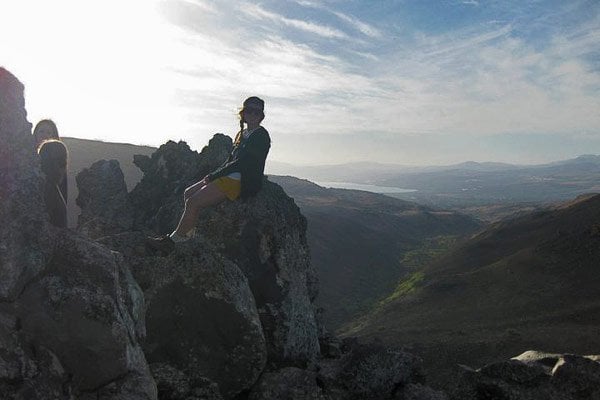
<point>531,282</point>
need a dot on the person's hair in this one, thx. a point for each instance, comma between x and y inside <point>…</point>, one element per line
<point>50,123</point>
<point>53,153</point>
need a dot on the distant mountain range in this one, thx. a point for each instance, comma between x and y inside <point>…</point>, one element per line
<point>488,191</point>
<point>532,282</point>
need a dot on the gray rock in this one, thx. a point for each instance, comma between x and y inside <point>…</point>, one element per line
<point>25,239</point>
<point>79,303</point>
<point>201,317</point>
<point>287,383</point>
<point>103,200</point>
<point>579,376</point>
<point>69,314</point>
<point>533,376</point>
<point>417,391</point>
<point>370,371</point>
<point>266,237</point>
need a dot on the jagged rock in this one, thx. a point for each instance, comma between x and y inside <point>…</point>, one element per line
<point>369,371</point>
<point>157,198</point>
<point>417,391</point>
<point>103,200</point>
<point>266,237</point>
<point>68,325</point>
<point>533,376</point>
<point>201,317</point>
<point>78,308</point>
<point>287,383</point>
<point>579,375</point>
<point>25,241</point>
<point>175,385</point>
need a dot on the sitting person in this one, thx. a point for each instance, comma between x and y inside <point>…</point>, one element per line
<point>44,130</point>
<point>53,156</point>
<point>240,176</point>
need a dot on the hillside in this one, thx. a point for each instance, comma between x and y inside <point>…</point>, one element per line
<point>529,282</point>
<point>83,153</point>
<point>362,243</point>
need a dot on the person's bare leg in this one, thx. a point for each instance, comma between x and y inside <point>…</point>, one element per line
<point>191,190</point>
<point>206,196</point>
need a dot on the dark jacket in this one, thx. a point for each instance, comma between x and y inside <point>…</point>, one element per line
<point>248,158</point>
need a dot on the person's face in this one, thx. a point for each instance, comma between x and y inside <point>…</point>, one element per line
<point>252,116</point>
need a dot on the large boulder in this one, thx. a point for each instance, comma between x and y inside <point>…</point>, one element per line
<point>70,314</point>
<point>201,318</point>
<point>266,237</point>
<point>287,383</point>
<point>533,375</point>
<point>369,371</point>
<point>103,199</point>
<point>25,240</point>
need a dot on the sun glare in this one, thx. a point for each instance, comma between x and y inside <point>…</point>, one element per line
<point>97,68</point>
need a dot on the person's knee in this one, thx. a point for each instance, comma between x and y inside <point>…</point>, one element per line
<point>192,203</point>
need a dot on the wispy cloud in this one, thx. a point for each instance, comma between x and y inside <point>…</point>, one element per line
<point>356,23</point>
<point>258,12</point>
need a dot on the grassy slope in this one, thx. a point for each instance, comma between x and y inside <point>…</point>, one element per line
<point>360,242</point>
<point>530,282</point>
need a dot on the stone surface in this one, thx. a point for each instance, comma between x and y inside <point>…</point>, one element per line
<point>25,239</point>
<point>103,200</point>
<point>417,391</point>
<point>70,310</point>
<point>264,236</point>
<point>79,303</point>
<point>201,317</point>
<point>369,371</point>
<point>533,376</point>
<point>175,385</point>
<point>287,383</point>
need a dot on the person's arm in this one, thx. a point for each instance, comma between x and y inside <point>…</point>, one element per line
<point>257,148</point>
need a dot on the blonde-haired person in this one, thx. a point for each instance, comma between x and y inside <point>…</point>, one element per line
<point>240,176</point>
<point>45,130</point>
<point>53,156</point>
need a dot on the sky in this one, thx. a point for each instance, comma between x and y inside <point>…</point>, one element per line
<point>412,82</point>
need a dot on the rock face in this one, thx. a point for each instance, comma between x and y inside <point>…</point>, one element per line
<point>107,210</point>
<point>533,376</point>
<point>242,289</point>
<point>70,316</point>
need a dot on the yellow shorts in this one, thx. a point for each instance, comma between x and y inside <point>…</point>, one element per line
<point>231,187</point>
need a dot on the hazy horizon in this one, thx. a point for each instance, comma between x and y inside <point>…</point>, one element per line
<point>404,82</point>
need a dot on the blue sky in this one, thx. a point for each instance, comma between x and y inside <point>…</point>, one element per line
<point>407,82</point>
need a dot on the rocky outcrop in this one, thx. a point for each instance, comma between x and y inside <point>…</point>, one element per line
<point>264,237</point>
<point>369,371</point>
<point>106,209</point>
<point>533,376</point>
<point>71,313</point>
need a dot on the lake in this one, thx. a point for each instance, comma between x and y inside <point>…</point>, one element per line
<point>367,188</point>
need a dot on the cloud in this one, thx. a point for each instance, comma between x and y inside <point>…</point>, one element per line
<point>258,12</point>
<point>356,23</point>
